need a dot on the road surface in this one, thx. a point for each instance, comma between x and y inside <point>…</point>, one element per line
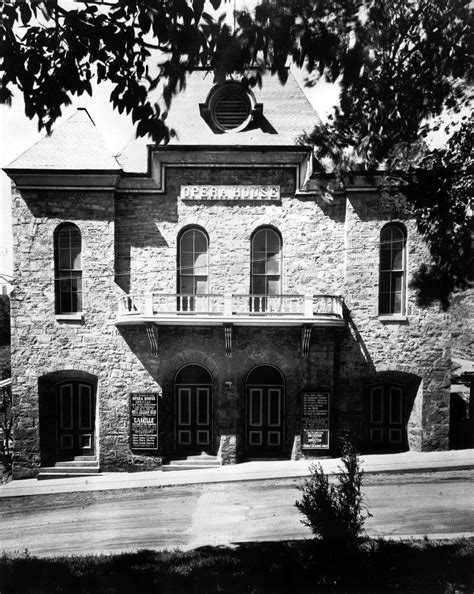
<point>436,504</point>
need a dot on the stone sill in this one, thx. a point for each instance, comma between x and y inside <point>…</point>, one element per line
<point>72,317</point>
<point>395,319</point>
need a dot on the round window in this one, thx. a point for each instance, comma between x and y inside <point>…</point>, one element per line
<point>230,108</point>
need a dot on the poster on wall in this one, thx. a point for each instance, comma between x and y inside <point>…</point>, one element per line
<point>144,420</point>
<point>315,420</point>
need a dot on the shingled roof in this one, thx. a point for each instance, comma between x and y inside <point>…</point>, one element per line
<point>286,110</point>
<point>74,145</point>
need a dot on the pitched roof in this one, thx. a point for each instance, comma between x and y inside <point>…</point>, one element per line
<point>286,110</point>
<point>74,145</point>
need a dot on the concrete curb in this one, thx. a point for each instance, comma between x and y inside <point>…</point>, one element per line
<point>407,462</point>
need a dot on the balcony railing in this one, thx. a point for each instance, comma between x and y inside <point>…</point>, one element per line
<point>163,307</point>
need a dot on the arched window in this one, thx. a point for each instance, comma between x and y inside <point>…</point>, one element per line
<point>392,278</point>
<point>68,269</point>
<point>265,267</point>
<point>193,268</point>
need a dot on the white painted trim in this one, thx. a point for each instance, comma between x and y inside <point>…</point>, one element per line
<point>89,397</point>
<point>200,441</point>
<point>251,419</point>
<point>278,392</point>
<point>61,405</point>
<point>278,441</point>
<point>381,398</point>
<point>206,391</point>
<point>251,435</point>
<point>392,391</point>
<point>180,391</point>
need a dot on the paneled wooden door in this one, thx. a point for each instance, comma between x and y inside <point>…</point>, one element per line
<point>387,417</point>
<point>75,419</point>
<point>264,420</point>
<point>193,410</point>
<point>193,428</point>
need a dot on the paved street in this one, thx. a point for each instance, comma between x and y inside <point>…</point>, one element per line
<point>221,513</point>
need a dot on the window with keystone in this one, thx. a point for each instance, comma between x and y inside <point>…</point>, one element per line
<point>392,275</point>
<point>193,268</point>
<point>68,269</point>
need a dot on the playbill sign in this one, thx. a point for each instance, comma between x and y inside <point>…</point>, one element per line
<point>144,420</point>
<point>230,192</point>
<point>315,420</point>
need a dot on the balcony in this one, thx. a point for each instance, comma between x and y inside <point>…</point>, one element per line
<point>241,310</point>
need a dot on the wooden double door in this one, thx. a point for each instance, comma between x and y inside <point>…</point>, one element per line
<point>75,419</point>
<point>265,412</point>
<point>264,420</point>
<point>193,410</point>
<point>387,417</point>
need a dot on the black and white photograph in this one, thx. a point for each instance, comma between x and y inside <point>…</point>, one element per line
<point>236,296</point>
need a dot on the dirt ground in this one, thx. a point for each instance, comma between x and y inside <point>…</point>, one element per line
<point>438,503</point>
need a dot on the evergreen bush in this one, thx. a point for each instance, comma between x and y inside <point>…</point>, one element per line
<point>336,512</point>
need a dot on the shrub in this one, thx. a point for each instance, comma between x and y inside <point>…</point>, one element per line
<point>336,513</point>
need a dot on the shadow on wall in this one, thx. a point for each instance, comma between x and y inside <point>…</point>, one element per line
<point>401,399</point>
<point>136,227</point>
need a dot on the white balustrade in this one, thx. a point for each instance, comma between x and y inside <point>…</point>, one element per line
<point>160,304</point>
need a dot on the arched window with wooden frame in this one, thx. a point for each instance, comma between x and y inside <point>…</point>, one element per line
<point>68,269</point>
<point>266,264</point>
<point>193,269</point>
<point>392,270</point>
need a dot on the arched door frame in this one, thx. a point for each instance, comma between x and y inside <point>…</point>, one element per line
<point>267,436</point>
<point>76,418</point>
<point>195,427</point>
<point>384,423</point>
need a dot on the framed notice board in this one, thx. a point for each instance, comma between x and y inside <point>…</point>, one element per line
<point>144,420</point>
<point>315,420</point>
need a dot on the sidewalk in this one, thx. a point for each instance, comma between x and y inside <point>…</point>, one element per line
<point>247,471</point>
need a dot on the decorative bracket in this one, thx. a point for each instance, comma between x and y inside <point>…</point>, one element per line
<point>305,340</point>
<point>228,339</point>
<point>152,334</point>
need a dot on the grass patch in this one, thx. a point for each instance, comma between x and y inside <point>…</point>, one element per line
<point>257,568</point>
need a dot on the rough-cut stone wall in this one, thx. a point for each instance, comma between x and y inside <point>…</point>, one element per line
<point>418,345</point>
<point>42,345</point>
<point>148,228</point>
<point>5,350</point>
<point>130,245</point>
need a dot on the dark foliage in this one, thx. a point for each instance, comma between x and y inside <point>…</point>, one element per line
<point>438,188</point>
<point>258,568</point>
<point>336,512</point>
<point>6,426</point>
<point>399,64</point>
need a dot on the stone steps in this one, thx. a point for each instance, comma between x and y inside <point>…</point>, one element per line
<point>80,466</point>
<point>200,461</point>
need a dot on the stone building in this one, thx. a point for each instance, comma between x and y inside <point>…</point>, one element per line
<point>209,296</point>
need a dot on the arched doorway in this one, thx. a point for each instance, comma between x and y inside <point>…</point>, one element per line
<point>387,417</point>
<point>193,410</point>
<point>75,419</point>
<point>265,411</point>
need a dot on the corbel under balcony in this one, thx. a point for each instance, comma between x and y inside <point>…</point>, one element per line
<point>170,309</point>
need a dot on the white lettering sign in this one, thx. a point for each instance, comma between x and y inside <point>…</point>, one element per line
<point>230,193</point>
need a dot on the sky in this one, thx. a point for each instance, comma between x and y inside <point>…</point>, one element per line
<point>18,133</point>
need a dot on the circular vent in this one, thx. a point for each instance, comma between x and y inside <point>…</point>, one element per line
<point>230,107</point>
<point>231,111</point>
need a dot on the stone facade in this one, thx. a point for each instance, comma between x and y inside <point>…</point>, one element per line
<point>5,350</point>
<point>129,247</point>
